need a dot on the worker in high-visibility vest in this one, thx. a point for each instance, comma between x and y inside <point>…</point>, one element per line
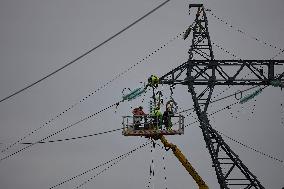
<point>153,81</point>
<point>157,118</point>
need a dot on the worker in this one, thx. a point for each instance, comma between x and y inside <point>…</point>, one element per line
<point>167,115</point>
<point>153,81</point>
<point>138,115</point>
<point>157,118</point>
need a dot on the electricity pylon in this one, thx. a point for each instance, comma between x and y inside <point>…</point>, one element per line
<point>203,70</point>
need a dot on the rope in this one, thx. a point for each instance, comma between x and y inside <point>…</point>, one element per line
<point>164,166</point>
<point>150,168</point>
<point>282,114</point>
<point>153,165</point>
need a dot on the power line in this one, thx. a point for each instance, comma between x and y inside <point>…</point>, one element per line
<point>245,33</point>
<point>227,107</point>
<point>86,53</point>
<point>42,140</point>
<point>92,93</point>
<point>219,99</point>
<point>242,144</point>
<point>235,94</point>
<point>262,153</point>
<point>100,133</point>
<point>73,138</point>
<point>232,54</point>
<point>251,148</point>
<point>104,170</point>
<point>228,52</point>
<point>114,130</point>
<point>102,164</point>
<point>122,156</point>
<point>47,123</point>
<point>280,52</point>
<point>55,133</point>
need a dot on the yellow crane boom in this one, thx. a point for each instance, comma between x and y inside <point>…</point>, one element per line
<point>177,152</point>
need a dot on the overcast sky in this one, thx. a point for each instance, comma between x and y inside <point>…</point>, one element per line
<point>37,37</point>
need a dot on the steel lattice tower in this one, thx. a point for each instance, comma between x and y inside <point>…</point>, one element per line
<point>203,70</point>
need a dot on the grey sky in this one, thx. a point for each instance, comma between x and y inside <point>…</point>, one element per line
<point>38,37</point>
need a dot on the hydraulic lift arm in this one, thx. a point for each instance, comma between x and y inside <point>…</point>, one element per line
<point>201,184</point>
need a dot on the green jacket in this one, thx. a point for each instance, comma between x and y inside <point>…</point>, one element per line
<point>158,117</point>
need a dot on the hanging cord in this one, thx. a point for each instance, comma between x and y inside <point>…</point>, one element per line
<point>153,165</point>
<point>150,167</point>
<point>282,113</point>
<point>154,97</point>
<point>164,166</point>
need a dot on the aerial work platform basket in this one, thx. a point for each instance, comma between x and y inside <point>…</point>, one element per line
<point>147,125</point>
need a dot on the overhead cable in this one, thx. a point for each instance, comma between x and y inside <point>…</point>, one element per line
<point>280,52</point>
<point>242,144</point>
<point>251,148</point>
<point>222,98</point>
<point>245,33</point>
<point>114,130</point>
<point>84,54</point>
<point>47,123</point>
<point>102,164</point>
<point>228,52</point>
<point>73,138</point>
<point>55,133</point>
